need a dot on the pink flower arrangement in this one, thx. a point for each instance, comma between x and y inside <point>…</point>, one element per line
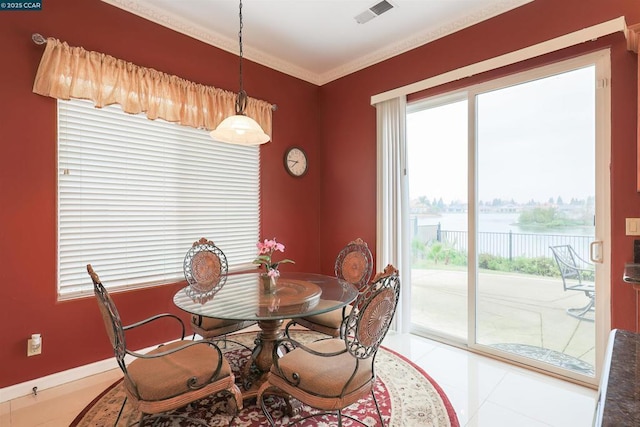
<point>265,254</point>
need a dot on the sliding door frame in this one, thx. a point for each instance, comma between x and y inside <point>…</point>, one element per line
<point>601,60</point>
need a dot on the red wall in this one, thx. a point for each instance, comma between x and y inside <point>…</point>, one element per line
<point>348,120</point>
<point>72,331</point>
<point>314,216</point>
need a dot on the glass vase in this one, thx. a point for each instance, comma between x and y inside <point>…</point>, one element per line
<point>268,282</point>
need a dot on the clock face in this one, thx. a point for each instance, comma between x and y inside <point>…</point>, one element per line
<point>295,161</point>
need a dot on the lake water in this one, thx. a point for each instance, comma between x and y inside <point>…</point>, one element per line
<point>498,223</point>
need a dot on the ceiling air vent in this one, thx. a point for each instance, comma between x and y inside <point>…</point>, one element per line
<point>375,10</point>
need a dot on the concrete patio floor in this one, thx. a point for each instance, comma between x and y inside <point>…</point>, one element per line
<point>514,311</point>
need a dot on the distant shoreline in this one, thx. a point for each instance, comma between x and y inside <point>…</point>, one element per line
<point>497,222</point>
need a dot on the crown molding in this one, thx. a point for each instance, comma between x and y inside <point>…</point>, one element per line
<point>147,10</point>
<point>421,39</point>
<point>584,35</point>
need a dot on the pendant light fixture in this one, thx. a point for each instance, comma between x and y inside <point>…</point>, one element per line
<point>240,128</point>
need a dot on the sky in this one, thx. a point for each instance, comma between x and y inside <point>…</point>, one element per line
<point>536,140</point>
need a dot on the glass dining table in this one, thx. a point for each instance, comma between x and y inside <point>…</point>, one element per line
<point>249,296</point>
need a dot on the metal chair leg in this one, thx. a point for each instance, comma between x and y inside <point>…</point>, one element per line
<point>260,402</point>
<point>120,413</point>
<point>579,313</point>
<point>377,407</point>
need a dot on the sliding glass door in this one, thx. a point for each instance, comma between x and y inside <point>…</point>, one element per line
<point>535,148</point>
<point>504,204</point>
<point>437,138</point>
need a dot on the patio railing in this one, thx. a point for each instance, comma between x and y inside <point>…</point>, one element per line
<point>506,245</point>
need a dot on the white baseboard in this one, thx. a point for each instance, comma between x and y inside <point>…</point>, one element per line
<point>63,377</point>
<point>59,378</point>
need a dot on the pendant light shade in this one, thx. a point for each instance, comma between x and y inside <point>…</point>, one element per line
<point>239,128</point>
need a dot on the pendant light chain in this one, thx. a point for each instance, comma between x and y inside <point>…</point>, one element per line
<point>240,41</point>
<point>241,101</point>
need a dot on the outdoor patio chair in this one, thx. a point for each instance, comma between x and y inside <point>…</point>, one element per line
<point>577,275</point>
<point>170,376</point>
<point>332,374</point>
<point>354,264</point>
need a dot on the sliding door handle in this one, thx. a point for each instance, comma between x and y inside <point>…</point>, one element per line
<point>595,251</point>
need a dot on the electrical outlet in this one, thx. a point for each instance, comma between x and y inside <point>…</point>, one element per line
<point>34,348</point>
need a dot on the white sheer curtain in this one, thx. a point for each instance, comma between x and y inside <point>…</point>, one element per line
<point>393,246</point>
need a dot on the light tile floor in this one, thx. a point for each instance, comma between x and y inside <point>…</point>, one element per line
<point>488,393</point>
<point>484,392</point>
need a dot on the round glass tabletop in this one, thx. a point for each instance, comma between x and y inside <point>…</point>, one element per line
<point>242,296</point>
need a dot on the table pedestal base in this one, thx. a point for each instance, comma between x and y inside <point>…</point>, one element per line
<point>257,368</point>
<point>262,355</point>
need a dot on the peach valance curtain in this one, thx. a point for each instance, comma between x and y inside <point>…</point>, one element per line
<point>72,72</point>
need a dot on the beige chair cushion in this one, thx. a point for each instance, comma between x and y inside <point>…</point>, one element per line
<point>324,377</point>
<point>330,319</point>
<point>213,328</point>
<point>209,323</point>
<point>165,377</point>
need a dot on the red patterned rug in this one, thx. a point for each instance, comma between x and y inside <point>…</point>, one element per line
<point>406,394</point>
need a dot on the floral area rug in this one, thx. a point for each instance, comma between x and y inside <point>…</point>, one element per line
<point>406,394</point>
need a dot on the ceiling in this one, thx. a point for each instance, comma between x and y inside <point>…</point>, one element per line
<point>317,40</point>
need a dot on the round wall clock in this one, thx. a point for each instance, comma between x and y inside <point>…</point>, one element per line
<point>295,161</point>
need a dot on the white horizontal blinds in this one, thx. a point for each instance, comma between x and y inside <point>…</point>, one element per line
<point>134,194</point>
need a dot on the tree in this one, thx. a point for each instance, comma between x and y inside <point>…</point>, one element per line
<point>543,216</point>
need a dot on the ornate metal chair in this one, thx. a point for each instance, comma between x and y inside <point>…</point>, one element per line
<point>334,373</point>
<point>170,376</point>
<point>205,266</point>
<point>354,264</point>
<point>577,275</point>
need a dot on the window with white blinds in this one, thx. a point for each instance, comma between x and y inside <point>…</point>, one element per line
<point>134,194</point>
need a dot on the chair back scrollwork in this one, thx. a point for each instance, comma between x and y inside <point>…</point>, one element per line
<point>371,316</point>
<point>204,265</point>
<point>354,264</point>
